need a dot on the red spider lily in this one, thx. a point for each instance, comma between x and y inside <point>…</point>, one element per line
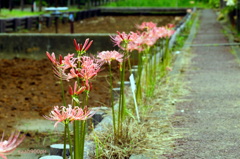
<point>7,146</point>
<point>76,90</point>
<point>68,114</point>
<point>108,56</point>
<point>82,48</point>
<point>53,59</point>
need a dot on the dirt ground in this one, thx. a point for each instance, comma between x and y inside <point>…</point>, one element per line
<point>107,24</point>
<point>28,87</point>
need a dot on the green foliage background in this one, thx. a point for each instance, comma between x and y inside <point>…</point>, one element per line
<point>164,3</point>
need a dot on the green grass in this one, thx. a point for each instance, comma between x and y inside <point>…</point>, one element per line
<point>5,13</point>
<point>158,3</point>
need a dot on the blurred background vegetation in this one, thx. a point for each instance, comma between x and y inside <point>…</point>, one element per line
<point>19,8</point>
<point>15,8</point>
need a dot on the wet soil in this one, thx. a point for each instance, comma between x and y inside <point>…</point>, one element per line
<point>28,87</point>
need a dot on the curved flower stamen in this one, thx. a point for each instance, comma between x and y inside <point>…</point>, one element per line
<point>108,56</point>
<point>7,146</point>
<point>68,114</point>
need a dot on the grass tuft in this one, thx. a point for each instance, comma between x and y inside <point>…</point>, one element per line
<point>154,136</point>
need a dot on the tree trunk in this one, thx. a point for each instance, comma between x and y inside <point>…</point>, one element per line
<point>69,3</point>
<point>22,5</point>
<point>56,3</point>
<point>32,9</point>
<point>40,5</point>
<point>10,5</point>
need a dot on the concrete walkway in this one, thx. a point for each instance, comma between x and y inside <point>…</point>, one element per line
<point>212,112</point>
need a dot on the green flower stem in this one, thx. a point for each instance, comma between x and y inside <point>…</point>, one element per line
<point>65,139</point>
<point>82,127</point>
<point>147,73</point>
<point>111,93</point>
<point>85,99</point>
<point>140,67</point>
<point>63,94</point>
<point>166,58</point>
<point>155,64</point>
<point>70,141</point>
<point>148,76</point>
<point>161,58</point>
<point>129,62</point>
<point>82,138</point>
<point>121,100</point>
<point>76,133</point>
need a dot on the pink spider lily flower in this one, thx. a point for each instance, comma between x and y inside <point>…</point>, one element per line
<point>76,90</point>
<point>53,59</point>
<point>121,39</point>
<point>160,31</point>
<point>81,49</point>
<point>7,146</point>
<point>146,25</point>
<point>164,32</point>
<point>150,37</point>
<point>73,73</point>
<point>84,114</point>
<point>88,69</point>
<point>169,33</point>
<point>62,114</point>
<point>137,42</point>
<point>109,56</point>
<point>60,73</point>
<point>169,30</point>
<point>170,26</point>
<point>68,114</point>
<point>68,62</point>
<point>168,68</point>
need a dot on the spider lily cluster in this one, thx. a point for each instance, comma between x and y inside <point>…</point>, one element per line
<point>144,40</point>
<point>83,68</point>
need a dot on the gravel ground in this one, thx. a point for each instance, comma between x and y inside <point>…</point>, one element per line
<point>212,110</point>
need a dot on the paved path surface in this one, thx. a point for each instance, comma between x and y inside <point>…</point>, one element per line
<point>212,114</point>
